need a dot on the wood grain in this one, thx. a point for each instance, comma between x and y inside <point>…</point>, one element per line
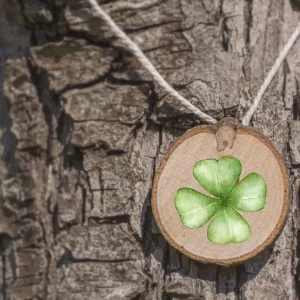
<point>257,154</point>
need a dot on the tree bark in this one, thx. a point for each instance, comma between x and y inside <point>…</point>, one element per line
<point>83,128</point>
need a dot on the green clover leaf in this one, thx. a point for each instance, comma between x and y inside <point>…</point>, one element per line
<point>220,179</point>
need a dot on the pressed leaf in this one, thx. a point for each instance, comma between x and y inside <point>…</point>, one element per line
<point>195,208</point>
<point>228,226</point>
<point>218,177</point>
<point>249,195</point>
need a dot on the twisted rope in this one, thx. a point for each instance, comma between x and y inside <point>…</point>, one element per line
<point>271,75</point>
<point>145,62</point>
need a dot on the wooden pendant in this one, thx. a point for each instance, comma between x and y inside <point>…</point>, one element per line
<point>221,206</point>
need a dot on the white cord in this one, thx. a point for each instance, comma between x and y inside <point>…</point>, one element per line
<point>134,6</point>
<point>271,75</point>
<point>136,51</point>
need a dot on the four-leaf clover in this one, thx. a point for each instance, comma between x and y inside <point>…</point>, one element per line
<point>220,179</point>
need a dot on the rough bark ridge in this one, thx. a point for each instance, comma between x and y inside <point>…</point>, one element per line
<point>83,129</point>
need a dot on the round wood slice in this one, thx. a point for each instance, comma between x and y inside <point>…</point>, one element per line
<point>257,154</point>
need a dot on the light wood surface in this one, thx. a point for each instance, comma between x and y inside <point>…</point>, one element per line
<point>257,154</point>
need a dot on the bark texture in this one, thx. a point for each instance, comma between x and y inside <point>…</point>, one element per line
<point>83,129</point>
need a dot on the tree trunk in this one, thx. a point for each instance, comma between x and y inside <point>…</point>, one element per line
<point>83,128</point>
